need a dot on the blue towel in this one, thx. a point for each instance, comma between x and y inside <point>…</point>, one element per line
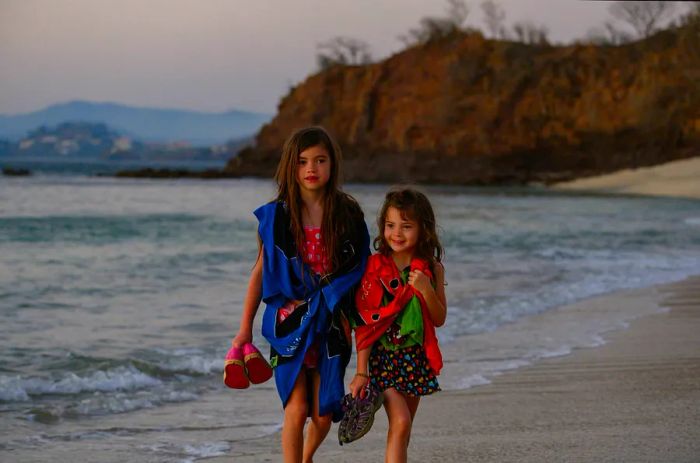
<point>286,277</point>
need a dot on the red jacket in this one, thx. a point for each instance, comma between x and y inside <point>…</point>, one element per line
<point>381,275</point>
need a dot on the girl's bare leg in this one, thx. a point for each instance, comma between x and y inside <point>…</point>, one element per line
<point>319,426</point>
<point>294,418</point>
<point>412,403</point>
<point>399,414</point>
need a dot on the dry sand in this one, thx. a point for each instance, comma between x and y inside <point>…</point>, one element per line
<point>634,399</point>
<point>677,178</point>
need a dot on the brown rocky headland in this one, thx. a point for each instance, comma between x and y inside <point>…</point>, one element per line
<point>469,110</point>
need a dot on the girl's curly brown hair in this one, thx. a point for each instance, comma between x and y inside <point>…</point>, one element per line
<point>413,205</point>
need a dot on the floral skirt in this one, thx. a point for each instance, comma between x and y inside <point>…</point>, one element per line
<point>406,370</point>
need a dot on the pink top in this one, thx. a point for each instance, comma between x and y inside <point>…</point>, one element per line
<point>313,254</point>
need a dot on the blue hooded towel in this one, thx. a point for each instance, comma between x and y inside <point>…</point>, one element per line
<point>326,300</point>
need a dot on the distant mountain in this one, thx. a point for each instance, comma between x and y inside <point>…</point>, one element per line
<point>145,124</point>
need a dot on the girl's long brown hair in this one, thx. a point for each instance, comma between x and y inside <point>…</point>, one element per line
<point>413,205</point>
<point>340,210</point>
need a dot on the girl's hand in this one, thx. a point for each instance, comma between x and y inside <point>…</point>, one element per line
<point>242,338</point>
<point>420,281</point>
<point>357,385</point>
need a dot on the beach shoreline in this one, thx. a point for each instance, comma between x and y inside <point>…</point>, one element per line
<point>676,179</point>
<point>633,399</point>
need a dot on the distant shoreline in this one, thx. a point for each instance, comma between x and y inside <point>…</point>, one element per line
<point>676,178</point>
<point>207,174</point>
<point>679,178</point>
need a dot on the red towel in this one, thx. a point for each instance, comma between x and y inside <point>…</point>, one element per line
<point>379,275</point>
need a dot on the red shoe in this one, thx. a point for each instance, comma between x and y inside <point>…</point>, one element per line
<point>257,367</point>
<point>234,369</point>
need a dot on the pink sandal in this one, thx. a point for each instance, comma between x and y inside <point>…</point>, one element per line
<point>257,367</point>
<point>234,369</point>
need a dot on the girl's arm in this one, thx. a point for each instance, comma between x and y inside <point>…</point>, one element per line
<point>250,304</point>
<point>434,297</point>
<point>361,378</point>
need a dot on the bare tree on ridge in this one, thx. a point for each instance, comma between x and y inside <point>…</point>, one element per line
<point>644,17</point>
<point>494,17</point>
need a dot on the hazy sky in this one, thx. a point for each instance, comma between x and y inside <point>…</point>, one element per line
<point>211,55</point>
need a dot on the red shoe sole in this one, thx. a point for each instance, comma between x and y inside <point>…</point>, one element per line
<point>259,370</point>
<point>234,375</point>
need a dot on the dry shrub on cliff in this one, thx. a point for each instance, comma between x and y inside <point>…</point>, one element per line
<point>527,32</point>
<point>690,37</point>
<point>609,34</point>
<point>433,28</point>
<point>343,51</point>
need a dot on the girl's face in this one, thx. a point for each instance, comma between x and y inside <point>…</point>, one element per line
<point>401,234</point>
<point>314,169</point>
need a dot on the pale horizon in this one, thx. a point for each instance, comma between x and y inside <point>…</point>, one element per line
<point>214,55</point>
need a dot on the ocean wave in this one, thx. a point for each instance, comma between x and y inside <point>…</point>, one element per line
<point>561,253</point>
<point>199,364</point>
<point>544,288</point>
<point>124,402</point>
<point>207,449</point>
<point>75,374</point>
<point>126,378</point>
<point>189,453</point>
<point>472,381</point>
<point>190,361</point>
<point>100,403</point>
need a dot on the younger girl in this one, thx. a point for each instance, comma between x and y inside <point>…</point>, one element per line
<point>313,249</point>
<point>400,301</point>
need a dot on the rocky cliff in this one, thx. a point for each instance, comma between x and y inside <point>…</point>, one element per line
<point>468,110</point>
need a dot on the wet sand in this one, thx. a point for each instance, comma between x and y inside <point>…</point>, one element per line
<point>634,399</point>
<point>677,178</point>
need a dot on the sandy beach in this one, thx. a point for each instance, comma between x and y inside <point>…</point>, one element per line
<point>678,178</point>
<point>633,399</point>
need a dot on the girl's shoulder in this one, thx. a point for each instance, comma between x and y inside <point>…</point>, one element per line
<point>269,213</point>
<point>350,206</point>
<point>268,206</point>
<point>378,261</point>
<point>375,259</point>
<point>439,270</point>
<point>350,220</point>
<point>439,273</point>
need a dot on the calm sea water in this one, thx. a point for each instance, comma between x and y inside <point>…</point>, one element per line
<point>118,297</point>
